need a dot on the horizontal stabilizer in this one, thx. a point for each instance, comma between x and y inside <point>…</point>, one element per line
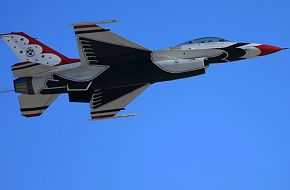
<point>26,69</point>
<point>35,105</point>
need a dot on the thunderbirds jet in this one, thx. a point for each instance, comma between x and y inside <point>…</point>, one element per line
<point>111,71</point>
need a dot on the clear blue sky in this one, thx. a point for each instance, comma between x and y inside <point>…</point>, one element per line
<point>228,129</point>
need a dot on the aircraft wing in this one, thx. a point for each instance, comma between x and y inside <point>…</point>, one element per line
<point>106,103</point>
<point>97,44</point>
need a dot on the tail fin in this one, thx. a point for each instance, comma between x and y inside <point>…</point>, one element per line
<point>28,49</point>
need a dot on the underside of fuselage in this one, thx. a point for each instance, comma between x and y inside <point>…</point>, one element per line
<point>135,70</point>
<point>111,71</point>
<point>143,67</point>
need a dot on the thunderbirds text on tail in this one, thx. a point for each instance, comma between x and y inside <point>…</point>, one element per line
<point>111,71</point>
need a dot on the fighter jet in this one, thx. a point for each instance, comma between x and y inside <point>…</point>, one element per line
<point>111,70</point>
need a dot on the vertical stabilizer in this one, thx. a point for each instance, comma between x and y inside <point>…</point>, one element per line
<point>28,49</point>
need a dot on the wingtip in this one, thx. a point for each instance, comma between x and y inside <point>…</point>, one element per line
<point>112,117</point>
<point>95,23</point>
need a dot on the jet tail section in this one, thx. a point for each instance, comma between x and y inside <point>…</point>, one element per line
<point>28,49</point>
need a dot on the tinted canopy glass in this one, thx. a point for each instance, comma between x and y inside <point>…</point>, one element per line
<point>205,40</point>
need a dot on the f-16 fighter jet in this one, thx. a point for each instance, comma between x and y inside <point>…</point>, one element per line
<point>111,71</point>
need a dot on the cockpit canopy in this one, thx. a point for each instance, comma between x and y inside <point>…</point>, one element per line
<point>205,40</point>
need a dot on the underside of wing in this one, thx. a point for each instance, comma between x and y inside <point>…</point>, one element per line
<point>106,103</point>
<point>96,44</point>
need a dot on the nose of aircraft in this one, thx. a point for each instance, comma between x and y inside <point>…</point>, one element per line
<point>268,49</point>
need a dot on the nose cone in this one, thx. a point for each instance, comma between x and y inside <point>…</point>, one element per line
<point>267,49</point>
